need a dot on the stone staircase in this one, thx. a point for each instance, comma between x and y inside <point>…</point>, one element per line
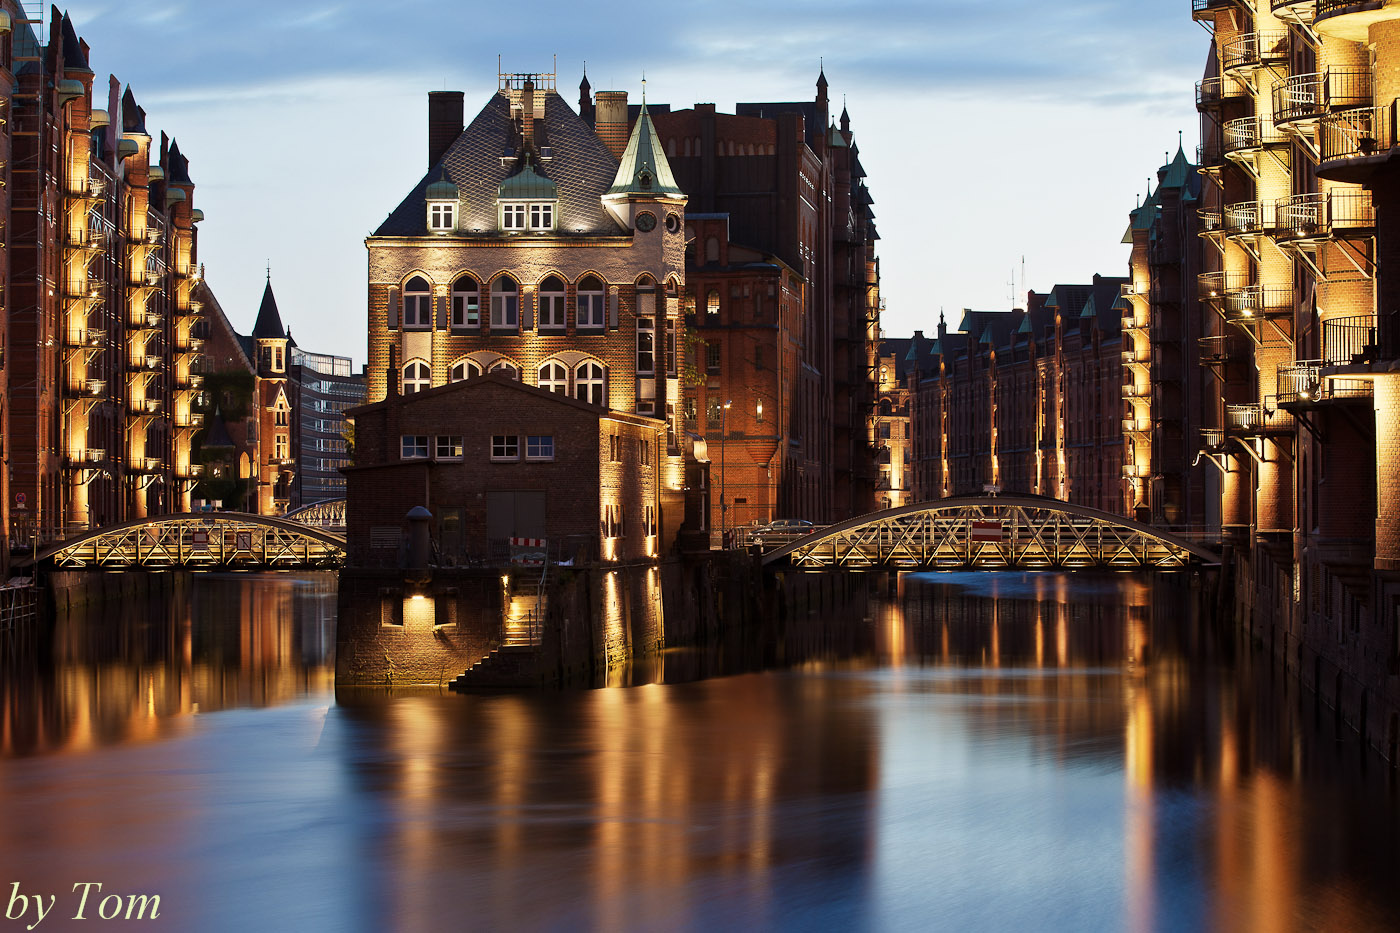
<point>516,662</point>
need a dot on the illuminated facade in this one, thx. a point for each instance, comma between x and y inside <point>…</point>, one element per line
<point>1299,213</point>
<point>782,306</point>
<point>99,362</point>
<point>892,431</point>
<point>1023,401</point>
<point>532,248</point>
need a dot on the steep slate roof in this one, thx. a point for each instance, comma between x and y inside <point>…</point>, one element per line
<point>74,61</point>
<point>644,154</point>
<point>269,323</point>
<point>217,435</point>
<point>179,171</point>
<point>581,167</point>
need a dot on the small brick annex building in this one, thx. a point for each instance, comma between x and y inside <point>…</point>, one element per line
<point>492,458</point>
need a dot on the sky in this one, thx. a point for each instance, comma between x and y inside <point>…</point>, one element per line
<point>998,137</point>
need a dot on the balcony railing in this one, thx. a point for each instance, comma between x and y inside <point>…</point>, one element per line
<point>1246,419</point>
<point>1248,133</point>
<point>95,455</point>
<point>1358,133</point>
<point>1136,426</point>
<point>1215,285</point>
<point>1219,349</point>
<point>1321,214</point>
<point>1302,9</point>
<point>1250,217</point>
<point>1217,90</point>
<point>1254,301</point>
<point>1211,221</point>
<point>1302,383</point>
<point>1349,341</point>
<point>1341,7</point>
<point>1213,438</point>
<point>1308,96</point>
<point>1202,7</point>
<point>94,388</point>
<point>1252,49</point>
<point>1208,154</point>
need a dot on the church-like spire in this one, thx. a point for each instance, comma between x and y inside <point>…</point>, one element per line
<point>644,169</point>
<point>269,323</point>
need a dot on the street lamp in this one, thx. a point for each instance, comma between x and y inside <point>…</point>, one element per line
<point>723,506</point>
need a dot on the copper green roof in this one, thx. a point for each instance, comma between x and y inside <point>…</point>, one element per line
<point>644,169</point>
<point>526,184</point>
<point>1179,171</point>
<point>442,188</point>
<point>1089,310</point>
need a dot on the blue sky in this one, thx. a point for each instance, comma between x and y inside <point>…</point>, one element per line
<point>990,131</point>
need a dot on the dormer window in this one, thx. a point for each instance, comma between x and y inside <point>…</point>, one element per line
<point>541,216</point>
<point>512,216</point>
<point>442,217</point>
<point>528,202</point>
<point>532,216</point>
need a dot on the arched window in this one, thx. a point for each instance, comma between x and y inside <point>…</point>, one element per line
<point>417,303</point>
<point>505,366</point>
<point>552,303</point>
<point>554,378</point>
<point>464,369</point>
<point>646,284</point>
<point>588,383</point>
<point>466,303</point>
<point>712,307</point>
<point>671,147</point>
<point>416,377</point>
<point>590,303</point>
<point>505,304</point>
<point>885,407</point>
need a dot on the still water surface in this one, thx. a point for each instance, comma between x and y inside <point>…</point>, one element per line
<point>1043,751</point>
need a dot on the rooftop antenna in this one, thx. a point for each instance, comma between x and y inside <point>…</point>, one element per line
<point>269,271</point>
<point>1011,287</point>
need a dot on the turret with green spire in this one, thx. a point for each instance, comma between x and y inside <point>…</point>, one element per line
<point>644,174</point>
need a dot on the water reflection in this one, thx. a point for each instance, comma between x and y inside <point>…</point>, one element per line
<point>129,670</point>
<point>988,751</point>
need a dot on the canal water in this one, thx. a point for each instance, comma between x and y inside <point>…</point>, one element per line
<point>980,751</point>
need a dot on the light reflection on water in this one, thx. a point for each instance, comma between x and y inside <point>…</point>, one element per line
<point>1050,751</point>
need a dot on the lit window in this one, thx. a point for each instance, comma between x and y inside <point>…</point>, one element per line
<point>554,378</point>
<point>414,446</point>
<point>588,383</point>
<point>552,304</point>
<point>539,447</point>
<point>712,357</point>
<point>441,216</point>
<point>688,409</point>
<point>280,447</point>
<point>449,447</point>
<point>464,369</point>
<point>417,303</point>
<point>590,303</point>
<point>466,303</point>
<point>505,304</point>
<point>646,346</point>
<point>416,377</point>
<point>512,216</point>
<point>714,413</point>
<point>505,447</point>
<point>712,308</point>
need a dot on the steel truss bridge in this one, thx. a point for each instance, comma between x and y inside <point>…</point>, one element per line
<point>990,533</point>
<point>199,541</point>
<point>328,514</point>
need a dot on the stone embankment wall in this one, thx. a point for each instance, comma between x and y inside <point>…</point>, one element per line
<point>596,620</point>
<point>1335,627</point>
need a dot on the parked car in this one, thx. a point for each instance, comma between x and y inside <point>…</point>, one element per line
<point>785,526</point>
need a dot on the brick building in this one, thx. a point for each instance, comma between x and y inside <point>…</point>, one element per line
<point>529,463</point>
<point>894,445</point>
<point>97,276</point>
<point>529,247</point>
<point>1028,401</point>
<point>1299,207</point>
<point>782,302</point>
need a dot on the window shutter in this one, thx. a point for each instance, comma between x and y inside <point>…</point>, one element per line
<point>393,308</point>
<point>612,308</point>
<point>442,312</point>
<point>527,312</point>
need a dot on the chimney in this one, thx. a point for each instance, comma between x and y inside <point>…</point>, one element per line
<point>527,114</point>
<point>611,125</point>
<point>444,122</point>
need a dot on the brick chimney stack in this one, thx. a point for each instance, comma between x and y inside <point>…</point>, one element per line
<point>445,109</point>
<point>612,127</point>
<point>527,114</point>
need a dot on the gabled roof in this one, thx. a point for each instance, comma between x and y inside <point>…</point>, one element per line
<point>74,60</point>
<point>485,155</point>
<point>133,117</point>
<point>269,323</point>
<point>644,169</point>
<point>178,171</point>
<point>217,435</point>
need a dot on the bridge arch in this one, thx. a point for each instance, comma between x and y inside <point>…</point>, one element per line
<point>198,540</point>
<point>992,533</point>
<point>326,513</point>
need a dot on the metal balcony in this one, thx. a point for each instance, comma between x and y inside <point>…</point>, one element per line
<point>1296,11</point>
<point>1137,426</point>
<point>1213,439</point>
<point>1250,218</point>
<point>1209,154</point>
<point>1244,419</point>
<point>1212,92</point>
<point>1303,385</point>
<point>1211,222</point>
<point>1350,341</point>
<point>93,388</point>
<point>1206,9</point>
<point>1254,49</point>
<point>1257,301</point>
<point>1250,134</point>
<point>1221,349</point>
<point>1350,141</point>
<point>1321,215</point>
<point>1310,96</point>
<point>1213,286</point>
